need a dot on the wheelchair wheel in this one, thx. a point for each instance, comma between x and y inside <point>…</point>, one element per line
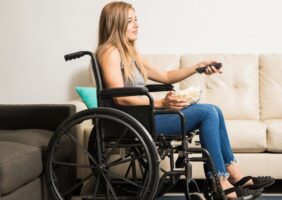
<point>137,163</point>
<point>124,168</point>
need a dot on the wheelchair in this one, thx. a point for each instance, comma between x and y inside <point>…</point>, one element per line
<point>124,151</point>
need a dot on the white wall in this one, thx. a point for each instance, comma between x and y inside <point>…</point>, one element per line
<point>35,35</point>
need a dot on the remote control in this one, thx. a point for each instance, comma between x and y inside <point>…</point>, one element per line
<point>203,69</point>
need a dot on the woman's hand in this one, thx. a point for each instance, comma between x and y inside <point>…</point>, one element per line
<point>172,102</point>
<point>209,70</point>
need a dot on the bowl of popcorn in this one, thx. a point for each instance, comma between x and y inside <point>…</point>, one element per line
<point>191,94</point>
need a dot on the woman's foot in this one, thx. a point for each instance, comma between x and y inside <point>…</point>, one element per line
<point>241,194</point>
<point>237,178</point>
<point>234,192</point>
<point>225,184</point>
<point>250,182</point>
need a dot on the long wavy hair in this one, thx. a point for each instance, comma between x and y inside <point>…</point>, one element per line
<point>112,33</point>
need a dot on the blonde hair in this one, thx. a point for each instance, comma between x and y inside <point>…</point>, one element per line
<point>112,33</point>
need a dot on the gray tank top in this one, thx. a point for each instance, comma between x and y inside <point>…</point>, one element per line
<point>138,79</point>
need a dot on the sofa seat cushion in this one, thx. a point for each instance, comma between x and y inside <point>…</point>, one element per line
<point>38,138</point>
<point>262,164</point>
<point>19,164</point>
<point>30,191</point>
<point>247,135</point>
<point>274,135</point>
<point>34,137</point>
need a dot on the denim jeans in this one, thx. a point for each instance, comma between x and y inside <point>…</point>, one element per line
<point>213,135</point>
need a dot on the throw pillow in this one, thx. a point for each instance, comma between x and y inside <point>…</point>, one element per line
<point>88,96</point>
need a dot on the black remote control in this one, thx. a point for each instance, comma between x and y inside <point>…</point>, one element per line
<point>203,69</point>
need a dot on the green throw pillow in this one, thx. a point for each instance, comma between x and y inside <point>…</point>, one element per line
<point>88,96</point>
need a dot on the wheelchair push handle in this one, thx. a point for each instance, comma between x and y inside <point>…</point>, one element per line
<point>76,55</point>
<point>94,64</point>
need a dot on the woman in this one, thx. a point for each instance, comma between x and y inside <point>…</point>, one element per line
<point>122,66</point>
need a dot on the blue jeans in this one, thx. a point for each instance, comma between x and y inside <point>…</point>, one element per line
<point>213,135</point>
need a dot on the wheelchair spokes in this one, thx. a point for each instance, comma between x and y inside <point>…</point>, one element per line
<point>128,162</point>
<point>126,165</point>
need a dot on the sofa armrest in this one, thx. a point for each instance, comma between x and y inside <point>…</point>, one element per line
<point>34,116</point>
<point>79,105</point>
<point>80,128</point>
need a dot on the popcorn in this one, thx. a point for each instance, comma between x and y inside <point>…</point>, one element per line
<point>191,94</point>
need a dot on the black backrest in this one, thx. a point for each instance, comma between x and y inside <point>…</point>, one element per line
<point>97,75</point>
<point>144,114</point>
<point>141,113</point>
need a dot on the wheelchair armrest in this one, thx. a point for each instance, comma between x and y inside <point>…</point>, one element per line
<point>159,87</point>
<point>122,92</point>
<point>167,111</point>
<point>119,92</point>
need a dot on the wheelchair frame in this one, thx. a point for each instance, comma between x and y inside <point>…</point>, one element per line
<point>154,147</point>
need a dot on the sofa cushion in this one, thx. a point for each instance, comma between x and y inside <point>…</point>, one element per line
<point>19,164</point>
<point>274,135</point>
<point>34,137</point>
<point>247,135</point>
<point>236,90</point>
<point>37,138</point>
<point>30,191</point>
<point>253,164</point>
<point>271,86</point>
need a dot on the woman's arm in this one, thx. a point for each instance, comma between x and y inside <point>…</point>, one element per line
<point>110,62</point>
<point>174,76</point>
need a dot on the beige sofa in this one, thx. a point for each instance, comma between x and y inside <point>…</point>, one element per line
<point>248,92</point>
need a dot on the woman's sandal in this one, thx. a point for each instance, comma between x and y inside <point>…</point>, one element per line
<point>259,182</point>
<point>242,193</point>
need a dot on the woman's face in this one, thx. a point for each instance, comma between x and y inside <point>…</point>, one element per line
<point>132,26</point>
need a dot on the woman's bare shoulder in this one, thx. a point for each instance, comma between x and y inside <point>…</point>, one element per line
<point>107,51</point>
<point>109,56</point>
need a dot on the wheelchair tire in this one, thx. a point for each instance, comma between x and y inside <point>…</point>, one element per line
<point>108,183</point>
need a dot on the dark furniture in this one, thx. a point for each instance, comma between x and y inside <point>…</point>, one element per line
<point>25,131</point>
